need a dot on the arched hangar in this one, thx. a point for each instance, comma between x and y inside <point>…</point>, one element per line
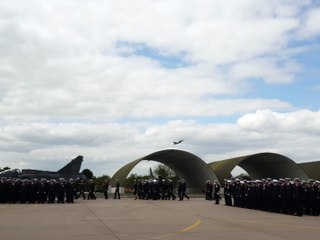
<point>260,165</point>
<point>312,169</point>
<point>186,165</point>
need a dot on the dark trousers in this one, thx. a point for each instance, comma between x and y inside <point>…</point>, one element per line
<point>117,194</point>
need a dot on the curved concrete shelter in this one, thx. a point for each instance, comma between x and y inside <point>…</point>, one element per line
<point>312,169</point>
<point>195,171</point>
<point>186,165</point>
<point>260,165</point>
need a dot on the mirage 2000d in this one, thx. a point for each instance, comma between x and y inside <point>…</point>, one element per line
<point>71,170</point>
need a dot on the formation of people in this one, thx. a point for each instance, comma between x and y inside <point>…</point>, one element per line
<point>43,191</point>
<point>213,191</point>
<point>294,197</point>
<point>159,189</point>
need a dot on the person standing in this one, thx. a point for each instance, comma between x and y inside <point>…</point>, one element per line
<point>60,186</point>
<point>209,190</point>
<point>106,189</point>
<point>216,192</point>
<point>228,192</point>
<point>70,191</point>
<point>135,188</point>
<point>117,190</point>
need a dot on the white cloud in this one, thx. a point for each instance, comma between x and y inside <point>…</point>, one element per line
<point>304,121</point>
<point>69,87</point>
<point>310,27</point>
<point>107,147</point>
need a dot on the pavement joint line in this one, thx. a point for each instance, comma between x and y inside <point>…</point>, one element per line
<point>100,220</point>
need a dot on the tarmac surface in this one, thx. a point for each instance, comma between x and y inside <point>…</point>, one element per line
<point>129,219</point>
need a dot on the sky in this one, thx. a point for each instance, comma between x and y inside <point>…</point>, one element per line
<point>117,80</point>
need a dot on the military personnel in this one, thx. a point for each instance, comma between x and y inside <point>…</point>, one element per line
<point>209,190</point>
<point>141,189</point>
<point>42,191</point>
<point>216,194</point>
<point>106,189</point>
<point>52,191</point>
<point>60,186</point>
<point>80,189</point>
<point>92,189</point>
<point>117,190</point>
<point>228,192</point>
<point>170,190</point>
<point>182,190</point>
<point>315,198</point>
<point>164,189</point>
<point>70,191</point>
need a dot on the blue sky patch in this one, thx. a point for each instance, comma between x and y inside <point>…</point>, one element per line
<point>141,49</point>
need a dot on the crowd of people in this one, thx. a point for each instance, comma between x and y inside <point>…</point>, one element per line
<point>213,191</point>
<point>43,191</point>
<point>159,189</point>
<point>294,197</point>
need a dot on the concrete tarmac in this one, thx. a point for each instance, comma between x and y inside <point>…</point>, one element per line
<point>129,219</point>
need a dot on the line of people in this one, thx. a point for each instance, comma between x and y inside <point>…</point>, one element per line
<point>213,191</point>
<point>162,189</point>
<point>43,191</point>
<point>294,197</point>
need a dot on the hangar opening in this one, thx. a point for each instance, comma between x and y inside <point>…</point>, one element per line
<point>186,165</point>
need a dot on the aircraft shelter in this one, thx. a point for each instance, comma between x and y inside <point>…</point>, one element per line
<point>186,165</point>
<point>258,166</point>
<point>195,171</point>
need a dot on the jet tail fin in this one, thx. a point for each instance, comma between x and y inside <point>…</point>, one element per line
<point>72,167</point>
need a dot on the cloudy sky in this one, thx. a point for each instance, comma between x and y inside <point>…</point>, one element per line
<point>116,80</point>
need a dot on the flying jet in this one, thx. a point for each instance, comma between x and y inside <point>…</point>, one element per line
<point>71,170</point>
<point>177,142</point>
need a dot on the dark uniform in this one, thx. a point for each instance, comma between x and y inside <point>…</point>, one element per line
<point>216,195</point>
<point>228,192</point>
<point>92,189</point>
<point>106,189</point>
<point>170,190</point>
<point>209,190</point>
<point>182,190</point>
<point>117,190</point>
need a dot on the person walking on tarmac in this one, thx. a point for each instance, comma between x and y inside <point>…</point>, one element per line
<point>182,189</point>
<point>80,189</point>
<point>92,189</point>
<point>170,190</point>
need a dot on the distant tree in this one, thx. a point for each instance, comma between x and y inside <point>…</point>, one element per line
<point>88,173</point>
<point>163,171</point>
<point>101,180</point>
<point>130,180</point>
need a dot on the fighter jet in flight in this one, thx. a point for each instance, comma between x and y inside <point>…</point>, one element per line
<point>177,142</point>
